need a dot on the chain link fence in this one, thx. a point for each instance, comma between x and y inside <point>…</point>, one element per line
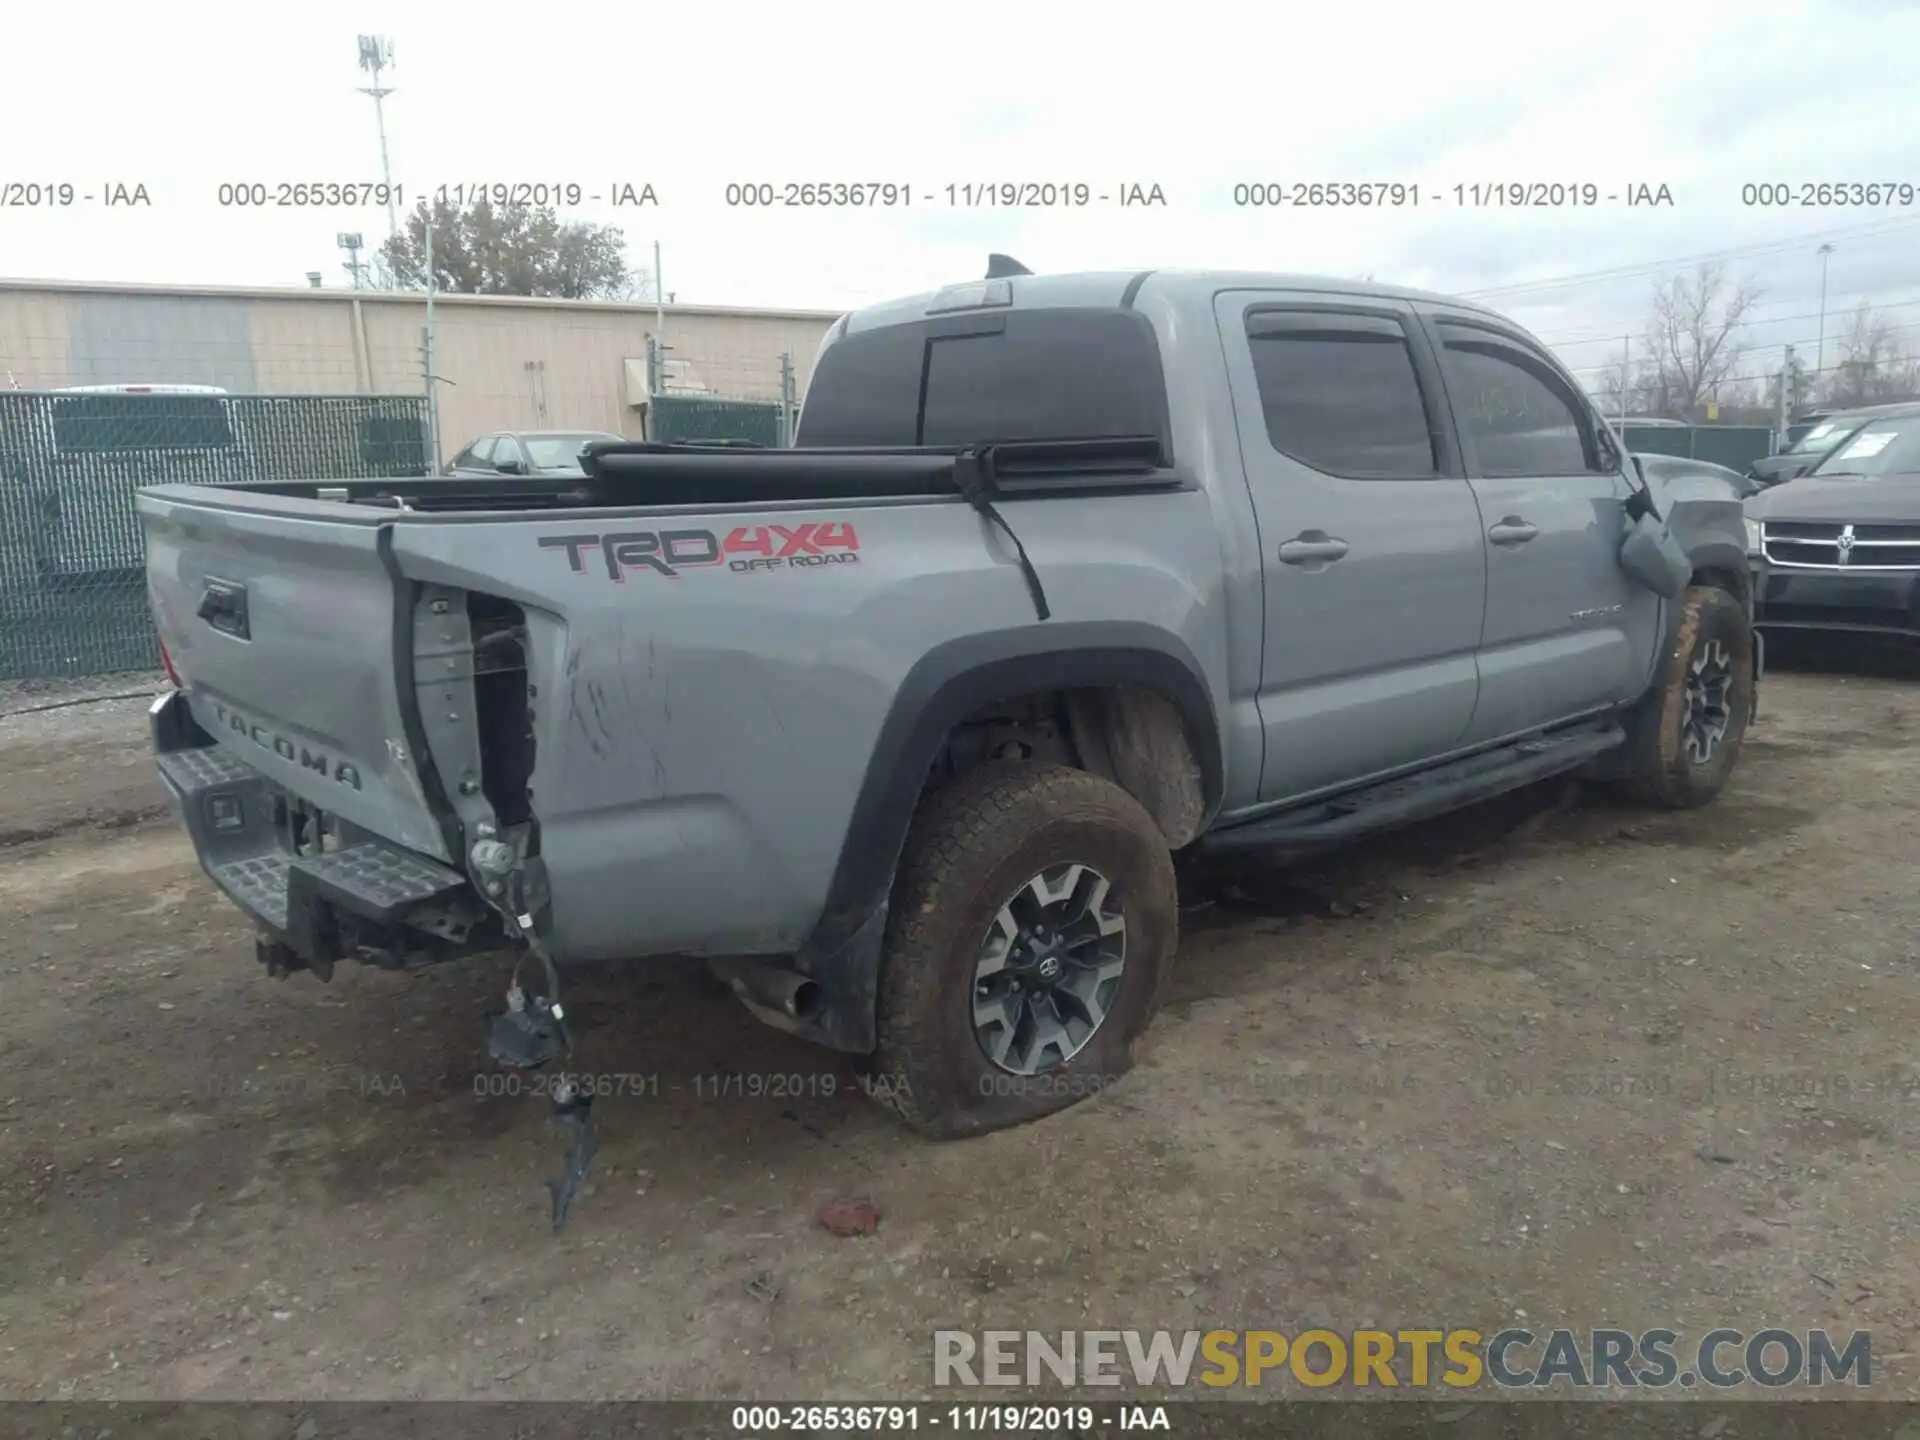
<point>709,417</point>
<point>72,586</point>
<point>753,400</point>
<point>1735,446</point>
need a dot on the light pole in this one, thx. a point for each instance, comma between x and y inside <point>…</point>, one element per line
<point>376,54</point>
<point>1820,353</point>
<point>349,241</point>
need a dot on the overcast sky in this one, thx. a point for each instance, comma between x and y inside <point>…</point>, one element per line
<point>1700,97</point>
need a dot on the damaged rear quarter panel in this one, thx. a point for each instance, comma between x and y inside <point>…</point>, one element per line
<point>701,737</point>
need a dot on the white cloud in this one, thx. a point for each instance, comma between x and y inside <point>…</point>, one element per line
<point>1192,98</point>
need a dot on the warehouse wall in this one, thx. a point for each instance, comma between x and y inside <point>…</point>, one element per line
<point>509,362</point>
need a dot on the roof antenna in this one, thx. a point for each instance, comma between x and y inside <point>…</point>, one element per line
<point>1001,266</point>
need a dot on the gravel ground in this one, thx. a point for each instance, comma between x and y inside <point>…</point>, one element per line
<point>1555,1058</point>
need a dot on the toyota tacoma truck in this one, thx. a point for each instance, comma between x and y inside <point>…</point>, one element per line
<point>902,728</point>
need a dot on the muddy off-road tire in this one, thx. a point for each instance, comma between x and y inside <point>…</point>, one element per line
<point>1031,900</point>
<point>1685,739</point>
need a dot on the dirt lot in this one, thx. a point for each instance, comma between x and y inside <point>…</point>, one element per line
<point>1572,1062</point>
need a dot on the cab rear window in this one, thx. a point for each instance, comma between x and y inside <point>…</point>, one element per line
<point>1066,374</point>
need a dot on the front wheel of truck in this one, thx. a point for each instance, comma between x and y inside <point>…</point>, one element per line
<point>1685,739</point>
<point>1032,925</point>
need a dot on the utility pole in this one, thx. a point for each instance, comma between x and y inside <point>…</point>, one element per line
<point>1820,355</point>
<point>350,241</point>
<point>1785,405</point>
<point>1626,380</point>
<point>427,362</point>
<point>659,299</point>
<point>376,54</point>
<point>787,403</point>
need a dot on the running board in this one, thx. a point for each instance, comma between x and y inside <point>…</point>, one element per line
<point>1325,823</point>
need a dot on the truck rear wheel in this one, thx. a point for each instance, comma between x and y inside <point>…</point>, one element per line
<point>1686,738</point>
<point>1032,925</point>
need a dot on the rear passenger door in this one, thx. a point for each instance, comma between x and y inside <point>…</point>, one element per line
<point>1374,577</point>
<point>1567,632</point>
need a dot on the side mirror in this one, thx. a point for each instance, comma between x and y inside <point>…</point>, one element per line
<point>1651,556</point>
<point>511,467</point>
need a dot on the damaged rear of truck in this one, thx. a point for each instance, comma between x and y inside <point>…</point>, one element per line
<point>416,720</point>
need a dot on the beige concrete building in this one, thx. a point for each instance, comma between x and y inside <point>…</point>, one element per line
<point>507,362</point>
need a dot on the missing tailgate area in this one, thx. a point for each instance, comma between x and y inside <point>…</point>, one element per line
<point>318,889</point>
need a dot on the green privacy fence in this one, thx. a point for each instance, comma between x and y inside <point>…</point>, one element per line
<point>72,590</point>
<point>1735,446</point>
<point>709,417</point>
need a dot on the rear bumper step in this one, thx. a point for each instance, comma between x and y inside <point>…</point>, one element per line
<point>237,820</point>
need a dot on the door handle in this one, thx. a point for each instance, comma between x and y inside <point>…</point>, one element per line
<point>1512,531</point>
<point>1312,547</point>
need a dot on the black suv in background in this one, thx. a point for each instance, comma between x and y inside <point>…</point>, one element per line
<point>1828,431</point>
<point>1839,547</point>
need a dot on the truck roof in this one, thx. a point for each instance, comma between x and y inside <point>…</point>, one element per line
<point>1108,288</point>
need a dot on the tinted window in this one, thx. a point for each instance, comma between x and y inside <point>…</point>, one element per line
<point>865,390</point>
<point>1037,375</point>
<point>96,424</point>
<point>482,451</point>
<point>1340,394</point>
<point>1518,415</point>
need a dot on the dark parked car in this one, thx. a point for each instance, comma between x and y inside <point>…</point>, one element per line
<point>1839,547</point>
<point>1829,429</point>
<point>527,452</point>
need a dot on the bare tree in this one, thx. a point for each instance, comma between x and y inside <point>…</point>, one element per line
<point>639,287</point>
<point>1690,338</point>
<point>1613,389</point>
<point>1874,367</point>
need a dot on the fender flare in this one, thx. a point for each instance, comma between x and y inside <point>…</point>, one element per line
<point>1722,556</point>
<point>949,683</point>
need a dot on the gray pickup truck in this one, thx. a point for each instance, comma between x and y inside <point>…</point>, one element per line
<point>901,728</point>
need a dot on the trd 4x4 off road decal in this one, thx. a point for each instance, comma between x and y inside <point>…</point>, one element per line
<point>750,547</point>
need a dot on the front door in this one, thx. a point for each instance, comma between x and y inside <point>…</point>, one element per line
<point>1373,564</point>
<point>1567,632</point>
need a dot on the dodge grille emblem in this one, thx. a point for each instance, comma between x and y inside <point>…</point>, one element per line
<point>1845,542</point>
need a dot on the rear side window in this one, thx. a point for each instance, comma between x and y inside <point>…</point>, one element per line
<point>1340,393</point>
<point>1518,415</point>
<point>116,424</point>
<point>1010,375</point>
